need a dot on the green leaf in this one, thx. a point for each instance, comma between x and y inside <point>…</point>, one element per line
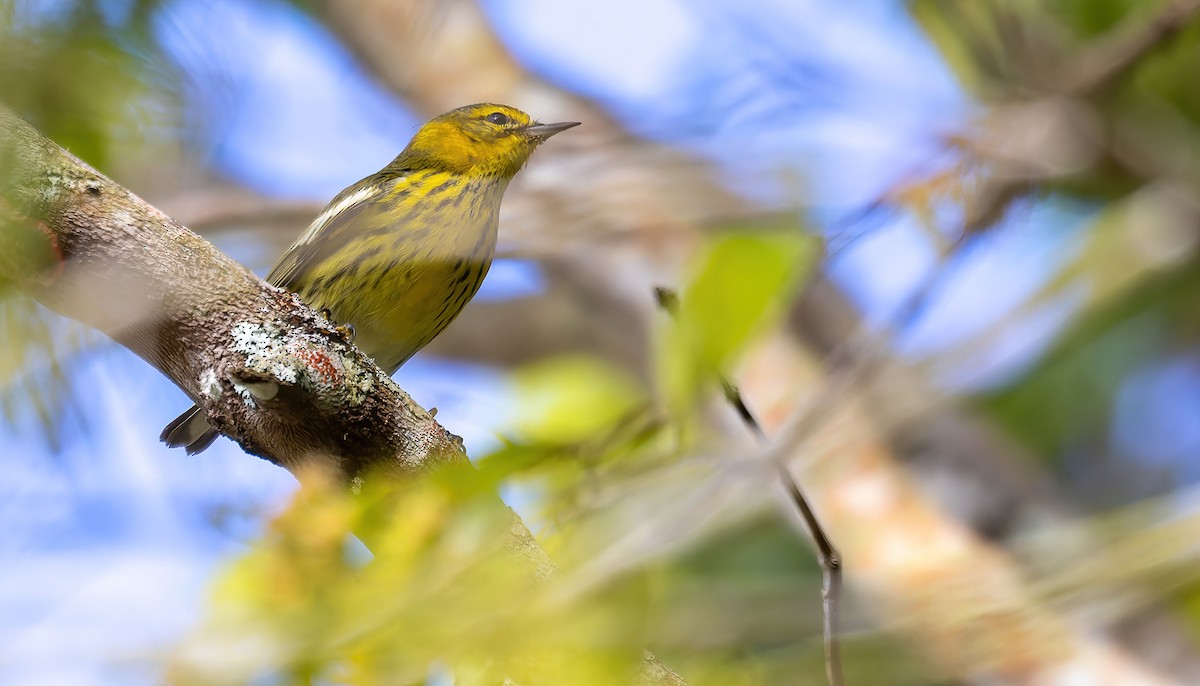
<point>571,399</point>
<point>741,283</point>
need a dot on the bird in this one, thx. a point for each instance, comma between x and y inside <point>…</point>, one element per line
<point>395,257</point>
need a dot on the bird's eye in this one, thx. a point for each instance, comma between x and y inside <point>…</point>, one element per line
<point>499,119</point>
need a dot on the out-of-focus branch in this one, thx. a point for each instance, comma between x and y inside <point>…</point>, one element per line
<point>1116,54</point>
<point>266,369</point>
<point>210,208</point>
<point>1027,143</point>
<point>977,475</point>
<point>961,599</point>
<point>1135,241</point>
<point>605,184</point>
<point>568,318</point>
<point>601,184</point>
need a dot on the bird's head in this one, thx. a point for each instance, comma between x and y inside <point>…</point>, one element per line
<point>478,140</point>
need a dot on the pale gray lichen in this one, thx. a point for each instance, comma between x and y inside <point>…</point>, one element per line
<point>244,394</point>
<point>359,382</point>
<point>266,351</point>
<point>291,357</point>
<point>210,384</point>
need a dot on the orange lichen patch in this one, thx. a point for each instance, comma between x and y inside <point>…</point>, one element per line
<point>319,363</point>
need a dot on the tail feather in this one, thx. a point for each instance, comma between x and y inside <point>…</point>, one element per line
<point>190,431</point>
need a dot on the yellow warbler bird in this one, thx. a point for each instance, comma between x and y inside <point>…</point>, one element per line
<point>398,254</point>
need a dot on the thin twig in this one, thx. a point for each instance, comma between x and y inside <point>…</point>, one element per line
<point>828,556</point>
<point>849,364</point>
<point>1104,64</point>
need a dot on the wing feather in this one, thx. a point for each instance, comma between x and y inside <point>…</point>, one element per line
<point>353,205</point>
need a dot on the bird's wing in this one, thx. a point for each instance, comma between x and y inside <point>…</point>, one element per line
<point>356,206</point>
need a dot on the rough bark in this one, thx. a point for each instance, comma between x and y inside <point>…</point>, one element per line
<point>268,370</point>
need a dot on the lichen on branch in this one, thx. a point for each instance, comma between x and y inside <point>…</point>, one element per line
<point>268,371</point>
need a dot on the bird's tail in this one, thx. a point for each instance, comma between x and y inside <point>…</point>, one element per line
<point>190,431</point>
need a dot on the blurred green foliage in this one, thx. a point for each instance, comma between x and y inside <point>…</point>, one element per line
<point>444,592</point>
<point>741,283</point>
<point>443,588</point>
<point>89,75</point>
<point>1144,126</point>
<point>79,72</point>
<point>1058,404</point>
<point>600,458</point>
<point>611,486</point>
<point>1146,115</point>
<point>567,400</point>
<point>34,370</point>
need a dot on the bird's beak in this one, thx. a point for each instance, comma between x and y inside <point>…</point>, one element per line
<point>544,131</point>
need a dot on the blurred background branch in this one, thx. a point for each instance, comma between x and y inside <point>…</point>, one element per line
<point>988,384</point>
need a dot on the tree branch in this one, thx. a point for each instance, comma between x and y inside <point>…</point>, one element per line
<point>963,587</point>
<point>963,601</point>
<point>267,369</point>
<point>1022,155</point>
<point>1115,54</point>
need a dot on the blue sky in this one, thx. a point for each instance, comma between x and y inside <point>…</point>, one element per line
<point>106,547</point>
